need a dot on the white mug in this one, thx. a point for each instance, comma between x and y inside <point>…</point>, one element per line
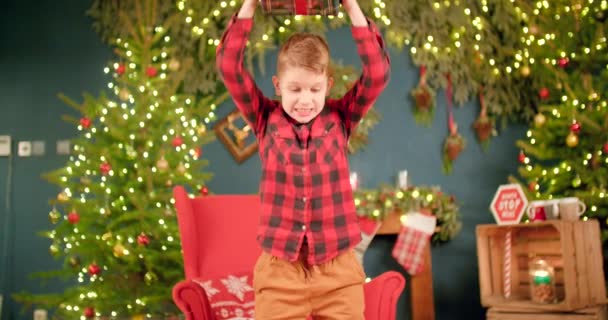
<point>571,208</point>
<point>539,210</point>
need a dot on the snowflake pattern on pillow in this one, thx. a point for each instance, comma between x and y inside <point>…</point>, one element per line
<point>231,297</point>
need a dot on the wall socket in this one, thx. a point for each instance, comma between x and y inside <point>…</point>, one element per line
<point>5,146</point>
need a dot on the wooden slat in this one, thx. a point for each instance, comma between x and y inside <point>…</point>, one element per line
<point>595,265</point>
<point>483,263</point>
<point>423,304</point>
<point>582,262</point>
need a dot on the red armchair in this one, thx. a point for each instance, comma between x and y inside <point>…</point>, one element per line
<point>218,237</point>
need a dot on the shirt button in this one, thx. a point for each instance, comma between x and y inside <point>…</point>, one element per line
<point>303,170</point>
<point>303,228</point>
<point>303,199</point>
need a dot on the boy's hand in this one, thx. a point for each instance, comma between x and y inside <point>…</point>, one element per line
<point>247,9</point>
<point>354,12</point>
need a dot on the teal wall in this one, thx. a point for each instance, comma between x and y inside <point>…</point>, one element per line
<point>46,48</point>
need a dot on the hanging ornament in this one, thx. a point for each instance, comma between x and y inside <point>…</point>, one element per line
<point>53,249</point>
<point>118,250</point>
<point>120,69</point>
<point>73,217</point>
<point>483,125</point>
<point>177,141</point>
<point>525,71</point>
<point>539,120</point>
<point>106,236</point>
<point>572,140</point>
<point>105,168</point>
<point>181,168</point>
<point>162,164</point>
<point>143,239</point>
<point>151,72</point>
<point>54,216</point>
<point>454,144</point>
<point>85,122</point>
<point>204,191</point>
<point>63,197</point>
<point>168,212</point>
<point>150,277</point>
<point>576,182</point>
<point>88,312</point>
<point>174,64</point>
<point>424,100</point>
<point>563,62</point>
<point>605,148</point>
<point>169,183</point>
<point>534,29</point>
<point>138,317</point>
<point>522,157</point>
<point>124,94</point>
<point>94,269</point>
<point>532,186</point>
<point>201,130</point>
<point>543,93</point>
<point>74,262</point>
<point>198,152</point>
<point>575,127</point>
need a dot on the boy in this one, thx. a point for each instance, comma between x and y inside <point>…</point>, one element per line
<point>308,225</point>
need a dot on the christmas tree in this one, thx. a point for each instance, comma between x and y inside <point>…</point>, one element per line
<point>565,56</point>
<point>115,229</point>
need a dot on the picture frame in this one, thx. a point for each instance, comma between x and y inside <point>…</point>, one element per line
<point>236,135</point>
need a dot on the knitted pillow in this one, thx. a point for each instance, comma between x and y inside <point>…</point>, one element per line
<point>231,296</point>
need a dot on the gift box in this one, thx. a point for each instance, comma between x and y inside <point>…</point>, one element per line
<point>300,7</point>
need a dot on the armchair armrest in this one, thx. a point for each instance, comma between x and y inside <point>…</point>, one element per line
<point>381,295</point>
<point>192,300</point>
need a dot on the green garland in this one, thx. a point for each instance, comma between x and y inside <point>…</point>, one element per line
<point>377,204</point>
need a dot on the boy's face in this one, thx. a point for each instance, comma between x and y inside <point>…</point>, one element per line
<point>302,92</point>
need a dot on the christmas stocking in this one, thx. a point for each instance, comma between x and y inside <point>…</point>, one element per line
<point>369,227</point>
<point>414,236</point>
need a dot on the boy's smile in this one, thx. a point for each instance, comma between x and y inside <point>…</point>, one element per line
<point>302,92</point>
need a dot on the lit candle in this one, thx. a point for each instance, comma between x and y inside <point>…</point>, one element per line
<point>402,179</point>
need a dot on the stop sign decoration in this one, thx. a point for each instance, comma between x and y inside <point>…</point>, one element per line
<point>509,204</point>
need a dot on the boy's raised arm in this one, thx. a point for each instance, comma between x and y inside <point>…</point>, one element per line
<point>229,61</point>
<point>376,67</point>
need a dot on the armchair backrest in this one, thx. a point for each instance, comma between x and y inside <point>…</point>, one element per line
<point>218,232</point>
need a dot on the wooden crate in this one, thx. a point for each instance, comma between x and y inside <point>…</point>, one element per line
<point>593,313</point>
<point>573,248</point>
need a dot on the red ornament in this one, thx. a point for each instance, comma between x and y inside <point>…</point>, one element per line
<point>606,147</point>
<point>532,186</point>
<point>575,127</point>
<point>94,269</point>
<point>521,157</point>
<point>543,93</point>
<point>563,62</point>
<point>151,72</point>
<point>198,153</point>
<point>89,312</point>
<point>85,122</point>
<point>177,141</point>
<point>204,191</point>
<point>120,69</point>
<point>143,239</point>
<point>73,217</point>
<point>105,168</point>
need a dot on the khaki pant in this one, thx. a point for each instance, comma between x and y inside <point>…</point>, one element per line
<point>294,290</point>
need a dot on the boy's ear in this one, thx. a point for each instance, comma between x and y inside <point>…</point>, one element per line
<point>275,83</point>
<point>330,84</point>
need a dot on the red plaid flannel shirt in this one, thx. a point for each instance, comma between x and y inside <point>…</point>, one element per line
<point>305,189</point>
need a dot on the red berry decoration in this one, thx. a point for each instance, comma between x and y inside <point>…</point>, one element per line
<point>575,127</point>
<point>543,93</point>
<point>143,239</point>
<point>151,72</point>
<point>85,122</point>
<point>88,312</point>
<point>94,269</point>
<point>105,168</point>
<point>532,186</point>
<point>522,157</point>
<point>73,217</point>
<point>177,141</point>
<point>563,62</point>
<point>204,191</point>
<point>120,69</point>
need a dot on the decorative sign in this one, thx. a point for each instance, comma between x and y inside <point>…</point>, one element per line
<point>509,204</point>
<point>234,132</point>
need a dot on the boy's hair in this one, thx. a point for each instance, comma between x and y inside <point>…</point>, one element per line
<point>305,50</point>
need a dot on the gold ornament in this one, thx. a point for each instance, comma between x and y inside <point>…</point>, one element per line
<point>106,236</point>
<point>124,94</point>
<point>162,164</point>
<point>53,249</point>
<point>174,65</point>
<point>539,120</point>
<point>168,212</point>
<point>169,182</point>
<point>150,277</point>
<point>576,182</point>
<point>572,140</point>
<point>138,317</point>
<point>54,216</point>
<point>181,168</point>
<point>201,130</point>
<point>525,71</point>
<point>63,197</point>
<point>74,262</point>
<point>119,250</point>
